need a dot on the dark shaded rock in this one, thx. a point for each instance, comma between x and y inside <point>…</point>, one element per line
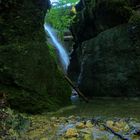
<point>111,64</point>
<point>74,67</point>
<point>29,75</point>
<point>108,58</point>
<point>97,16</point>
<point>30,78</point>
<point>21,19</point>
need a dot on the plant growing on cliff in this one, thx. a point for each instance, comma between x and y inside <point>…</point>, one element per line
<point>60,18</point>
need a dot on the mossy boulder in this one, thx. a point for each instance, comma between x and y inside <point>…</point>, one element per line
<point>29,75</point>
<point>31,79</point>
<point>111,63</point>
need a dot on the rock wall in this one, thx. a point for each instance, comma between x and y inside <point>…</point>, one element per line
<point>106,48</point>
<point>29,75</point>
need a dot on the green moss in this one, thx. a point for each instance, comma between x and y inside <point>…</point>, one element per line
<point>29,74</point>
<point>112,73</point>
<point>135,18</point>
<point>31,78</point>
<point>52,52</point>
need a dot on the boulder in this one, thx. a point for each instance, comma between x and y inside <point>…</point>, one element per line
<point>29,75</point>
<point>111,63</point>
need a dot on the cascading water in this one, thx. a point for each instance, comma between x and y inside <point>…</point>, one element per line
<point>63,55</point>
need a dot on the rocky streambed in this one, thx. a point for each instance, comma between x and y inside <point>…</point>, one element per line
<point>80,128</point>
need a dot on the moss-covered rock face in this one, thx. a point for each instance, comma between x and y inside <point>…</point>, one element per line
<point>99,15</point>
<point>29,75</point>
<point>21,19</point>
<point>111,64</point>
<point>106,50</point>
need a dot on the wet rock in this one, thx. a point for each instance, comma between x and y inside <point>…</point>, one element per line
<point>86,131</point>
<point>118,126</point>
<point>80,125</point>
<point>89,124</point>
<point>53,118</point>
<point>71,132</point>
<point>102,135</point>
<point>109,123</point>
<point>75,98</point>
<point>64,130</point>
<point>69,126</point>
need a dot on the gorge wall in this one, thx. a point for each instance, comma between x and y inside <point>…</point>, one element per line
<point>106,58</point>
<point>29,75</point>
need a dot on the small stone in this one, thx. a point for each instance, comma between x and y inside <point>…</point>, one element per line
<point>102,128</point>
<point>71,132</point>
<point>89,124</point>
<point>63,119</point>
<point>87,137</point>
<point>110,123</point>
<point>53,118</point>
<point>116,129</point>
<point>120,124</point>
<point>80,125</point>
<point>77,118</point>
<point>71,117</point>
<point>126,128</point>
<point>69,126</point>
<point>85,131</point>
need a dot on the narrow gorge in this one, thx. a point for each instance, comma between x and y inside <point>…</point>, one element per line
<point>57,54</point>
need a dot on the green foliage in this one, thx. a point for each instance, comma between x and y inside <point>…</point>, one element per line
<point>60,18</point>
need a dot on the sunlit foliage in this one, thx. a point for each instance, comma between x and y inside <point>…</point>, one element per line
<point>60,17</point>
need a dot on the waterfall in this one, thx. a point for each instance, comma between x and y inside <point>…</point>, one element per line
<point>63,55</point>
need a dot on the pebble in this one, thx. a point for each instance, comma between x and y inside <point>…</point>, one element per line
<point>53,118</point>
<point>89,124</point>
<point>80,125</point>
<point>69,126</point>
<point>71,132</point>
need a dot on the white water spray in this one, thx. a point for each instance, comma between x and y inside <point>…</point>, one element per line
<point>64,58</point>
